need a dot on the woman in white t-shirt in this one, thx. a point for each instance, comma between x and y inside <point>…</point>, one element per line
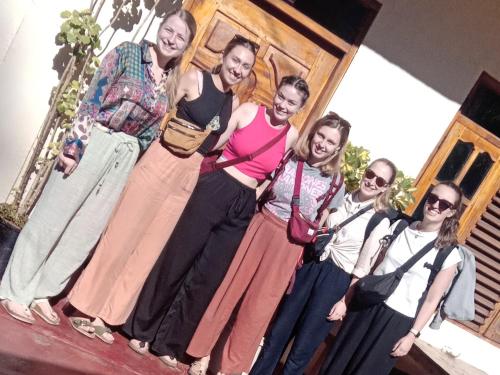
<point>372,338</point>
<point>321,283</point>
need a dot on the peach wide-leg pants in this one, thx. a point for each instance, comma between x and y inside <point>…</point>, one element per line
<point>149,208</point>
<point>258,276</point>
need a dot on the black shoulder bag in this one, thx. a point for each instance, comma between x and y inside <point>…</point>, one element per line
<point>373,289</point>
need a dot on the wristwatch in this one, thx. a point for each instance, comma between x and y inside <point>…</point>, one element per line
<point>415,332</point>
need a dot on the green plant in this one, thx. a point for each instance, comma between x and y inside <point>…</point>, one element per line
<point>354,163</point>
<point>79,31</point>
<point>402,192</point>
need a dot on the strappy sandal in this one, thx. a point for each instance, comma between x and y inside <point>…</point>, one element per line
<point>26,318</point>
<point>79,324</point>
<point>169,360</point>
<point>100,331</point>
<point>140,347</point>
<point>55,321</point>
<point>199,367</point>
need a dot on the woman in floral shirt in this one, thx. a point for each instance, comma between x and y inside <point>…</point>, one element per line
<point>119,115</point>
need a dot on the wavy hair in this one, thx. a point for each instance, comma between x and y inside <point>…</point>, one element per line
<point>447,235</point>
<point>303,147</point>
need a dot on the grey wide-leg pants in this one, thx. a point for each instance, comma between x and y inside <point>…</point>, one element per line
<point>68,219</point>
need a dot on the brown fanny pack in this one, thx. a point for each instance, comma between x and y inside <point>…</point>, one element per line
<point>184,137</point>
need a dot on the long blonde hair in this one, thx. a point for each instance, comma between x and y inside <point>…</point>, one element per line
<point>332,120</point>
<point>173,66</point>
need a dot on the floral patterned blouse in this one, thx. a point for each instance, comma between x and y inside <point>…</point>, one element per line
<point>123,96</point>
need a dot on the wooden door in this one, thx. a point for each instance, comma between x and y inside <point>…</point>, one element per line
<point>470,156</point>
<point>283,51</point>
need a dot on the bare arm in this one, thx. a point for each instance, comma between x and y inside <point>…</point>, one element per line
<point>367,257</point>
<point>436,292</point>
<point>188,86</point>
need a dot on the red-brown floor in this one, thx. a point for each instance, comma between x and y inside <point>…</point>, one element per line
<point>42,349</point>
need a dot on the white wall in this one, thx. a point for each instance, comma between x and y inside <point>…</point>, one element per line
<point>27,50</point>
<point>418,62</point>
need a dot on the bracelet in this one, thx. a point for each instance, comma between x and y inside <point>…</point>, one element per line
<point>415,332</point>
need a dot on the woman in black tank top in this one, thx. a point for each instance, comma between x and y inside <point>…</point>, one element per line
<point>154,198</point>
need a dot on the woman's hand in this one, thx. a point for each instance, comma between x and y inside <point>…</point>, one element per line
<point>403,345</point>
<point>66,165</point>
<point>338,311</point>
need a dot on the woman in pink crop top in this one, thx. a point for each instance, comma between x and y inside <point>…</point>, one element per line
<point>199,251</point>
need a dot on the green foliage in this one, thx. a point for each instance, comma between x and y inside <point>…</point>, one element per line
<point>402,193</point>
<point>354,163</point>
<point>80,31</point>
<point>66,106</point>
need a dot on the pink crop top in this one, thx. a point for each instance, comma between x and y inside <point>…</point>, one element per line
<point>247,140</point>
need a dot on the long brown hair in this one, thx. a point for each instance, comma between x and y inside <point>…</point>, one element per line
<point>447,235</point>
<point>173,66</point>
<point>331,120</point>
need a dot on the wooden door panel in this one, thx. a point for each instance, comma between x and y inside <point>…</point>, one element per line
<point>479,229</point>
<point>283,51</point>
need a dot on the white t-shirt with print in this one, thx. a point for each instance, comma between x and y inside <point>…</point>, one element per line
<point>345,247</point>
<point>413,283</point>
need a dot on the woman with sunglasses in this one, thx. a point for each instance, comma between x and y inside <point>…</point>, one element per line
<point>373,338</point>
<point>320,284</point>
<point>199,252</point>
<point>119,116</point>
<point>267,257</point>
<point>155,196</point>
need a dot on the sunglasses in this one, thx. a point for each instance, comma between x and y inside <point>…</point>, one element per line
<point>379,181</point>
<point>241,38</point>
<point>443,204</point>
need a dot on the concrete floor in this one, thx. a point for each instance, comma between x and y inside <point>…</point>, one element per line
<point>42,349</point>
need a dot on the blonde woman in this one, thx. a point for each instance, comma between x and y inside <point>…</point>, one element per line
<point>119,115</point>
<point>267,256</point>
<point>321,283</point>
<point>155,196</point>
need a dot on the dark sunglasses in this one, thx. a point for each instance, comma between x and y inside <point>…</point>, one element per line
<point>241,38</point>
<point>379,181</point>
<point>443,204</point>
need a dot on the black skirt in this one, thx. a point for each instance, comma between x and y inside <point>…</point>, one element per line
<point>365,341</point>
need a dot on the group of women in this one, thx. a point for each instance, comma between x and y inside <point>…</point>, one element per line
<point>184,262</point>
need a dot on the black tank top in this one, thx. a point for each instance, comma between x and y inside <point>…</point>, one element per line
<point>201,110</point>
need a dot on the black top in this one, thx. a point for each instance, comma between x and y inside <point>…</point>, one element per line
<point>201,110</point>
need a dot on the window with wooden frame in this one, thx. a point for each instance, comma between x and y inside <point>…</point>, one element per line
<point>469,154</point>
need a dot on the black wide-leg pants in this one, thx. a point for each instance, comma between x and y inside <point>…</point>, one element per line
<point>192,264</point>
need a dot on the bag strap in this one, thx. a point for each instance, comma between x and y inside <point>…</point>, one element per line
<point>438,263</point>
<point>251,156</point>
<point>415,258</point>
<point>278,171</point>
<point>353,217</point>
<point>435,268</point>
<point>335,185</point>
<point>173,111</point>
<point>298,181</point>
